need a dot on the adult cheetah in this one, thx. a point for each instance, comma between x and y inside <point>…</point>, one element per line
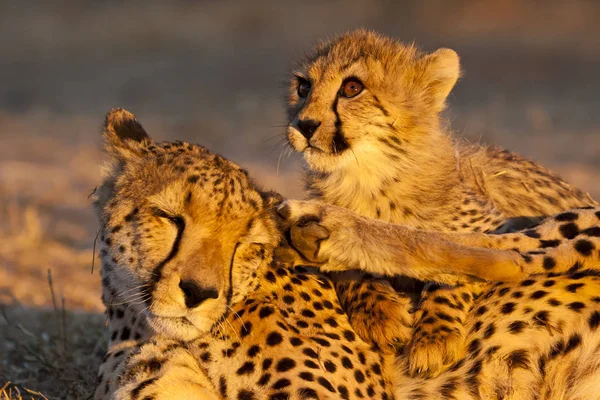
<point>364,111</point>
<point>198,308</point>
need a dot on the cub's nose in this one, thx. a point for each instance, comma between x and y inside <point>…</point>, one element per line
<point>194,294</point>
<point>307,127</point>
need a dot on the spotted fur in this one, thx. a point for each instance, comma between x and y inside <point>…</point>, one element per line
<point>283,334</point>
<point>385,153</point>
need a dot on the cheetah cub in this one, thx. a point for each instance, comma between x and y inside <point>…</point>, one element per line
<point>364,110</point>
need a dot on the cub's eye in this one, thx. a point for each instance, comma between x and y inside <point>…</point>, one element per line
<point>303,87</point>
<point>351,87</point>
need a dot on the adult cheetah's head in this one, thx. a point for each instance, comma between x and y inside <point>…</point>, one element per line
<point>183,229</point>
<point>361,92</point>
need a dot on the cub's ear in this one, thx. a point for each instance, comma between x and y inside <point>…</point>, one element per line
<point>124,137</point>
<point>442,70</point>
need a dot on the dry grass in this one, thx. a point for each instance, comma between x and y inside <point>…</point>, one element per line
<point>55,351</point>
<point>208,72</point>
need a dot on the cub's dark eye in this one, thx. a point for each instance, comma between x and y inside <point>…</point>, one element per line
<point>351,87</point>
<point>303,87</point>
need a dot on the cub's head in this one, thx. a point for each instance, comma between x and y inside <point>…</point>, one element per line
<point>183,230</point>
<point>362,91</point>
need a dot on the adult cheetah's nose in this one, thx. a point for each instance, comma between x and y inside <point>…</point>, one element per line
<point>307,127</point>
<point>194,294</point>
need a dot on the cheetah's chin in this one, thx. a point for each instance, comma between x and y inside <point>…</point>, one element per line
<point>182,328</point>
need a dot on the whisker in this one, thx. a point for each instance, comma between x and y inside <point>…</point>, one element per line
<point>281,142</point>
<point>279,161</point>
<point>356,158</point>
<point>236,314</point>
<point>271,138</point>
<point>233,329</point>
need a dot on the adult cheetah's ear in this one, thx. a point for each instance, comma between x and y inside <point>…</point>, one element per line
<point>442,70</point>
<point>124,137</point>
<point>271,199</point>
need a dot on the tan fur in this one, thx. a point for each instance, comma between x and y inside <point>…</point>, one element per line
<point>285,335</point>
<point>386,154</point>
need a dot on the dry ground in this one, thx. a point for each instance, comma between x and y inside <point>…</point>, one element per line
<point>208,72</point>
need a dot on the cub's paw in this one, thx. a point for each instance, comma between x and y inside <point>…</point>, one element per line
<point>323,234</point>
<point>433,349</point>
<point>309,227</point>
<point>380,316</point>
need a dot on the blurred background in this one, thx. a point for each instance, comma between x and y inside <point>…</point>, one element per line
<point>212,72</point>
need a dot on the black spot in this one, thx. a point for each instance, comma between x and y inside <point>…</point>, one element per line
<point>330,366</point>
<point>274,338</point>
<point>223,387</point>
<point>280,396</point>
<point>331,322</point>
<point>532,234</point>
<point>376,369</point>
<point>349,335</point>
<point>246,369</point>
<point>576,306</point>
<point>254,350</point>
<point>593,231</point>
<point>246,329</point>
<point>584,247</point>
<point>285,364</point>
<point>267,364</point>
<point>265,312</point>
<point>541,317</point>
<point>359,376</point>
<point>538,294</point>
<point>246,395</point>
<point>573,342</point>
<point>193,179</point>
<point>305,296</point>
<point>270,276</point>
<point>326,384</point>
<point>361,358</point>
<point>281,383</point>
<point>481,310</point>
<point>594,320</point>
<point>296,341</point>
<point>574,286</point>
<point>308,313</point>
<point>566,216</point>
<point>528,282</point>
<point>448,388</point>
<point>544,244</point>
<point>287,299</point>
<point>554,302</point>
<point>322,342</point>
<point>549,283</point>
<point>516,327</point>
<point>508,308</point>
<point>264,379</point>
<point>308,393</point>
<point>549,263</point>
<point>517,295</point>
<point>343,390</point>
<point>569,230</point>
<point>125,333</point>
<point>489,331</point>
